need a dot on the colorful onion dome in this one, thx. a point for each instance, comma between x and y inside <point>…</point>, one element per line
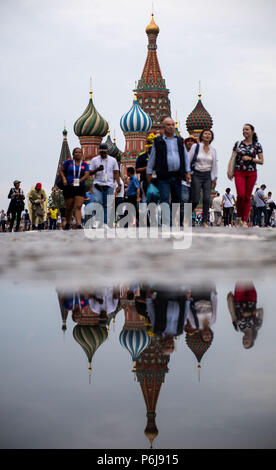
<point>135,341</point>
<point>199,118</point>
<point>135,120</point>
<point>197,345</point>
<point>90,123</point>
<point>152,28</point>
<point>112,148</point>
<point>90,338</point>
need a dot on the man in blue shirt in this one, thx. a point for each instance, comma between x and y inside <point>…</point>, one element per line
<point>170,161</point>
<point>133,190</point>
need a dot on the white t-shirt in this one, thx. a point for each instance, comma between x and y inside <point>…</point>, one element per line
<point>106,176</point>
<point>204,160</point>
<point>108,303</point>
<point>217,203</point>
<point>260,202</point>
<point>227,200</point>
<point>121,193</point>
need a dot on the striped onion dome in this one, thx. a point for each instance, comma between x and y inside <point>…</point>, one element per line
<point>90,338</point>
<point>90,123</point>
<point>135,120</point>
<point>199,118</point>
<point>112,148</point>
<point>197,345</point>
<point>135,341</point>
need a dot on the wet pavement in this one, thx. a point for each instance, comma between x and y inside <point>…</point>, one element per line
<point>132,344</point>
<point>71,257</point>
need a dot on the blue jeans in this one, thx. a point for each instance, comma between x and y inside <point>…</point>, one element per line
<point>185,197</point>
<point>101,197</point>
<point>170,192</point>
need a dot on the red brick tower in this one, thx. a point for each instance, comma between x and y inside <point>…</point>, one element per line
<point>152,366</point>
<point>151,90</point>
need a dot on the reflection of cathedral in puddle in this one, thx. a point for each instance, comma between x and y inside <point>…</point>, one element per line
<point>149,362</point>
<point>153,319</point>
<point>92,311</point>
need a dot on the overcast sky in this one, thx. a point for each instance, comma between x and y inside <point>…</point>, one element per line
<point>49,49</point>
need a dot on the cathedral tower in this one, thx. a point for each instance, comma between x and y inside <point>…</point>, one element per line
<point>151,90</point>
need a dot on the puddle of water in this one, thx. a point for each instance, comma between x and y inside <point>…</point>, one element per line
<point>118,366</point>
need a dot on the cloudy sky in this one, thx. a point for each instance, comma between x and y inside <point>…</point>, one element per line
<point>50,48</point>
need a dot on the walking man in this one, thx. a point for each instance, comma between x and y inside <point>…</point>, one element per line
<point>170,160</point>
<point>217,202</point>
<point>261,205</point>
<point>105,170</point>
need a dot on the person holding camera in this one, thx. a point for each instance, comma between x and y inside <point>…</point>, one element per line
<point>105,170</point>
<point>16,206</point>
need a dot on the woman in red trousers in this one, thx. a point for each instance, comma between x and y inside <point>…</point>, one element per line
<point>249,155</point>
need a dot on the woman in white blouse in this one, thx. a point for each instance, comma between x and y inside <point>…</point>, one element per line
<point>203,158</point>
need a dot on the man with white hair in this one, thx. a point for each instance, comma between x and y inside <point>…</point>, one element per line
<point>169,159</point>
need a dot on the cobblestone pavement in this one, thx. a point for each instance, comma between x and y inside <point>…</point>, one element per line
<point>69,258</point>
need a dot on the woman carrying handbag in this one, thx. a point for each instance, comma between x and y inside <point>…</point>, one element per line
<point>242,166</point>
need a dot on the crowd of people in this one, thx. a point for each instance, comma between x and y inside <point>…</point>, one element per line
<point>171,170</point>
<point>167,313</point>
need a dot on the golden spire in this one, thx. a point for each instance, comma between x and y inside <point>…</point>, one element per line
<point>152,28</point>
<point>90,92</point>
<point>199,91</point>
<point>151,435</point>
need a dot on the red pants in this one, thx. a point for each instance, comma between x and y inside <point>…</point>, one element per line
<point>244,181</point>
<point>245,292</point>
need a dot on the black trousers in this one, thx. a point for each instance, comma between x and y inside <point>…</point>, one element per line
<point>260,211</point>
<point>201,180</point>
<point>15,214</point>
<point>227,215</point>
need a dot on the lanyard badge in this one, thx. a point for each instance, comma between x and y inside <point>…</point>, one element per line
<point>76,181</point>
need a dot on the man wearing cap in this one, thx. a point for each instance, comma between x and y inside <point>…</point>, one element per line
<point>37,198</point>
<point>105,170</point>
<point>141,166</point>
<point>189,141</point>
<point>16,206</point>
<point>186,186</point>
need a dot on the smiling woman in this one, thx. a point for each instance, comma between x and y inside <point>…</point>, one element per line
<point>247,154</point>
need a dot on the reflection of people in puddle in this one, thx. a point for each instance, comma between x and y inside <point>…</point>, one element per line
<point>74,302</point>
<point>166,310</point>
<point>246,317</point>
<point>201,315</point>
<point>202,312</point>
<point>104,301</point>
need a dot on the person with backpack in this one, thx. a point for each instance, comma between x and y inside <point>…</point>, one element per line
<point>16,206</point>
<point>246,155</point>
<point>185,185</point>
<point>203,157</point>
<point>228,201</point>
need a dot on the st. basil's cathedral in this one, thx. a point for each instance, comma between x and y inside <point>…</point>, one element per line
<point>151,104</point>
